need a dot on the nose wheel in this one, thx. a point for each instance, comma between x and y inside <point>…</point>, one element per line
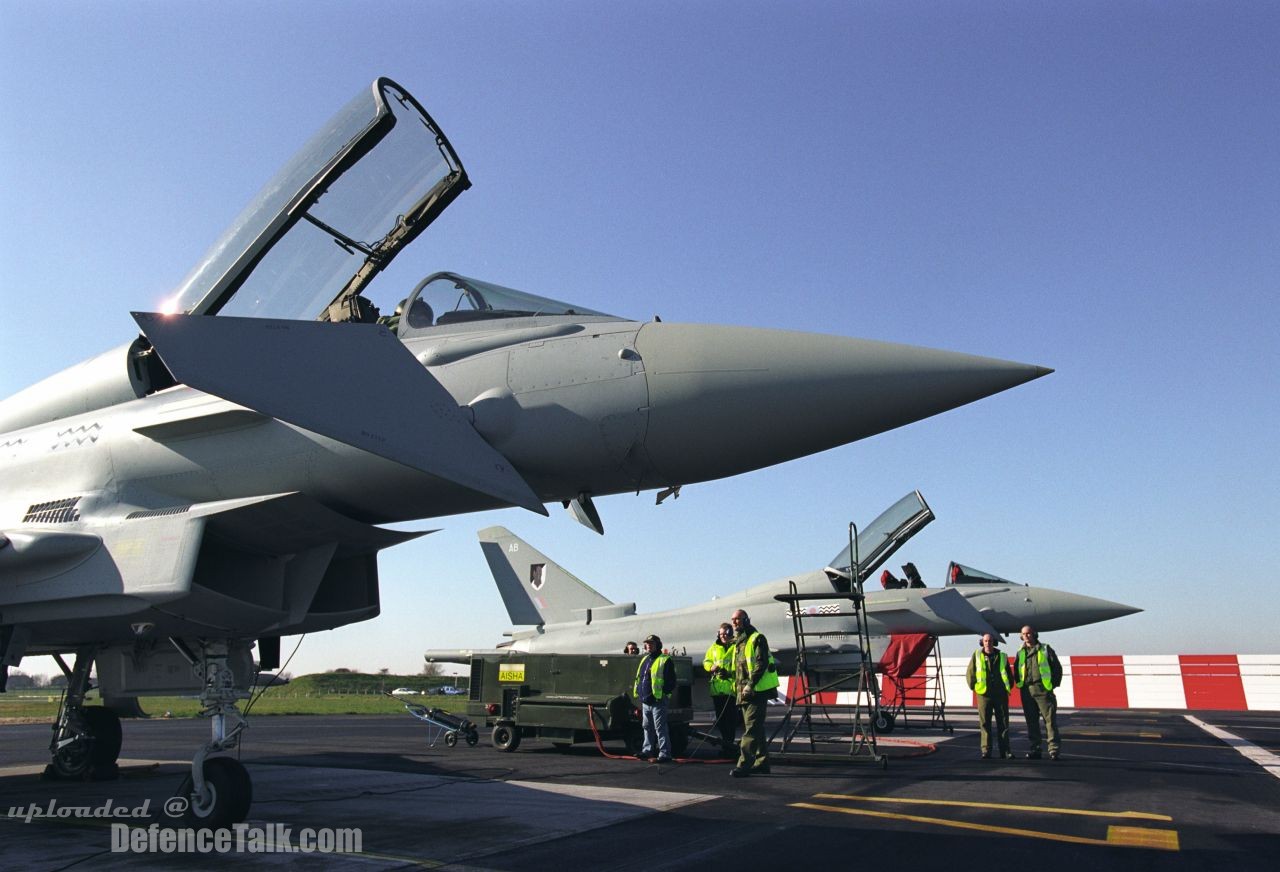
<point>225,797</point>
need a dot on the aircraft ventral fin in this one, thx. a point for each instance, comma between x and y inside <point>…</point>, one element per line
<point>355,383</point>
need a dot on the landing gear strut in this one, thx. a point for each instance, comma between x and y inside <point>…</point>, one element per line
<point>86,739</point>
<point>218,789</point>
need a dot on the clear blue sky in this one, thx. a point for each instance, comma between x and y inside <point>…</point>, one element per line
<point>1090,186</point>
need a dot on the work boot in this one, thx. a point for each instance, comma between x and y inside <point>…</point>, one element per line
<point>1053,755</point>
<point>760,769</point>
<point>739,772</point>
<point>1033,755</point>
<point>664,760</point>
<point>986,755</point>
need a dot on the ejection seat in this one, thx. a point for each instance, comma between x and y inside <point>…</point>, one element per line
<point>420,314</point>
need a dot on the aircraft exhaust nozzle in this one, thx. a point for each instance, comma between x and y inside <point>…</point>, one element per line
<point>725,400</point>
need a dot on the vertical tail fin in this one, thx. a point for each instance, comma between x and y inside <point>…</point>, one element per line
<point>535,589</point>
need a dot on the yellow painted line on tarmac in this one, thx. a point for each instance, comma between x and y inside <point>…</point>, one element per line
<point>1140,734</point>
<point>1142,837</point>
<point>1133,815</point>
<point>965,825</point>
<point>1148,743</point>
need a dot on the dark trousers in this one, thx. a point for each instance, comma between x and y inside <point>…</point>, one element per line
<point>1036,706</point>
<point>994,708</point>
<point>726,720</point>
<point>753,750</point>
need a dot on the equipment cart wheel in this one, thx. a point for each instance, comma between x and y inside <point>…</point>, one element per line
<point>679,739</point>
<point>634,739</point>
<point>506,737</point>
<point>451,738</point>
<point>884,722</point>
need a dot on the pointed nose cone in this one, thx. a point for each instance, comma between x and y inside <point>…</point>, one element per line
<point>1061,610</point>
<point>725,400</point>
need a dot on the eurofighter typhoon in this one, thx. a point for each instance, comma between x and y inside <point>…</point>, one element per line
<point>218,479</point>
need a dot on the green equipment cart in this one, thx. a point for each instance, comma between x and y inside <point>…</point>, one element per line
<point>568,698</point>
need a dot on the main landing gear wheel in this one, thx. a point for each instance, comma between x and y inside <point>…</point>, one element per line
<point>506,737</point>
<point>86,739</point>
<point>226,797</point>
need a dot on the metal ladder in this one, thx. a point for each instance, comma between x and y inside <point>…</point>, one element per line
<point>859,676</point>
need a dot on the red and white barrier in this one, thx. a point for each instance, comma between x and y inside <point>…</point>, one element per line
<point>1209,682</point>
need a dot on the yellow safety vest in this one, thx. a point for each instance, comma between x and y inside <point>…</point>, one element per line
<point>980,672</point>
<point>719,657</point>
<point>655,676</point>
<point>769,680</point>
<point>1046,673</point>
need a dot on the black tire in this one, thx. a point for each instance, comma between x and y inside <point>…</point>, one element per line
<point>679,740</point>
<point>473,739</point>
<point>451,739</point>
<point>93,756</point>
<point>104,725</point>
<point>884,722</point>
<point>228,795</point>
<point>506,737</point>
<point>634,739</point>
<point>71,762</point>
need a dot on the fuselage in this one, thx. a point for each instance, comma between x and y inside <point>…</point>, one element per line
<point>689,631</point>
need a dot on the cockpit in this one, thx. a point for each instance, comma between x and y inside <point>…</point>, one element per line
<point>317,235</point>
<point>959,574</point>
<point>446,298</point>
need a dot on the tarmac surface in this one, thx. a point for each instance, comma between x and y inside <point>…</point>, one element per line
<point>1133,790</point>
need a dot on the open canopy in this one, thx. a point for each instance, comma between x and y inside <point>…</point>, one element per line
<point>878,540</point>
<point>361,190</point>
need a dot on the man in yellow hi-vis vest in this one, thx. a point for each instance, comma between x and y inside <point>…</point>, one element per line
<point>655,682</point>
<point>718,664</point>
<point>755,683</point>
<point>1037,673</point>
<point>990,680</point>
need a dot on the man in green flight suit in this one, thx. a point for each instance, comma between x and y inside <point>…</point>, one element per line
<point>1036,674</point>
<point>755,683</point>
<point>989,678</point>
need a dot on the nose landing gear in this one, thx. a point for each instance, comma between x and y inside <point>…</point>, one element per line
<point>218,789</point>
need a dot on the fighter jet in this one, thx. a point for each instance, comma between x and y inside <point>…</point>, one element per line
<point>569,616</point>
<point>219,478</point>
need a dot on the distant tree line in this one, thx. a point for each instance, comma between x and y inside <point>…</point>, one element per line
<point>19,680</point>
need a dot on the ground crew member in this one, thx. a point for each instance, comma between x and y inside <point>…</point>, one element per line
<point>1036,674</point>
<point>989,677</point>
<point>655,682</point>
<point>755,683</point>
<point>718,664</point>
